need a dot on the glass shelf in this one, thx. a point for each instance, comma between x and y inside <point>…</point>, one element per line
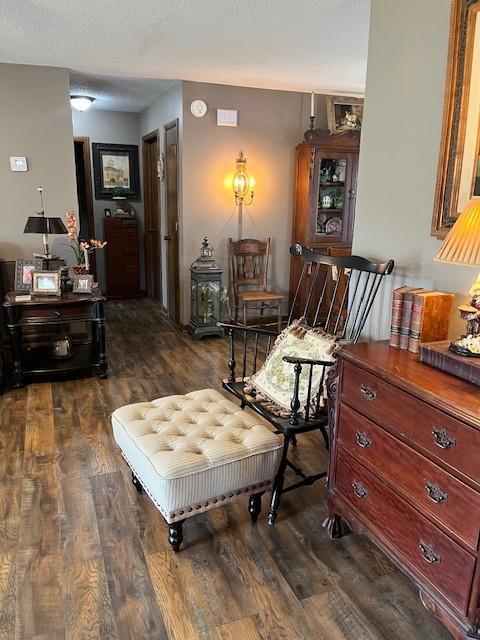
<point>331,197</point>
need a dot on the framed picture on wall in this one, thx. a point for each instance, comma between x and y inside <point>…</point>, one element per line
<point>344,114</point>
<point>116,165</point>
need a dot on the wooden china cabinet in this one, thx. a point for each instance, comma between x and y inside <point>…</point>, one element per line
<point>325,193</point>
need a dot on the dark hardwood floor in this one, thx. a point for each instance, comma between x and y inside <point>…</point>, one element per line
<point>83,556</point>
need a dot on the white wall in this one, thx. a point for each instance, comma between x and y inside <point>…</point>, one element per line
<point>112,127</point>
<point>163,111</point>
<point>400,145</point>
<point>35,122</point>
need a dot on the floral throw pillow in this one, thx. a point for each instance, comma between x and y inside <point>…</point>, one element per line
<point>273,384</point>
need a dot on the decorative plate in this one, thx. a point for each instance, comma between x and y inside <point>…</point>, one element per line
<point>333,226</point>
<point>198,108</point>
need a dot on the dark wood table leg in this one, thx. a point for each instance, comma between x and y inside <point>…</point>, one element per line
<point>100,339</point>
<point>16,339</point>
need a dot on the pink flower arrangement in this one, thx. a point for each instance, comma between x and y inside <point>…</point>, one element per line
<point>81,248</point>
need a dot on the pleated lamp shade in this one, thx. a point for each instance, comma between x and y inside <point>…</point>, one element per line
<point>462,244</point>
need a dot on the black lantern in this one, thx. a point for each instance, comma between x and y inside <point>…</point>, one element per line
<point>206,282</point>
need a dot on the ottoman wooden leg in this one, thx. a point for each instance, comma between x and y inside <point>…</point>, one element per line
<point>175,535</point>
<point>255,505</point>
<point>136,483</point>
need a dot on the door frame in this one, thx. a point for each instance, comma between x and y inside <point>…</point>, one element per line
<point>167,127</point>
<point>87,165</point>
<point>157,280</point>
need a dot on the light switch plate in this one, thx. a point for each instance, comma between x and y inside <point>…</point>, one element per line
<point>227,117</point>
<point>18,163</point>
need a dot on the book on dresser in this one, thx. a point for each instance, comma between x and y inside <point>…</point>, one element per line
<point>407,309</point>
<point>431,311</point>
<point>397,305</point>
<point>404,470</point>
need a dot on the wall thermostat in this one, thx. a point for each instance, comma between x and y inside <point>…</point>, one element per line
<point>198,108</point>
<point>227,117</point>
<point>18,163</point>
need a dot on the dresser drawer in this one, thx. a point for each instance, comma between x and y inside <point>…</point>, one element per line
<point>434,490</point>
<point>425,549</point>
<point>28,315</point>
<point>446,438</point>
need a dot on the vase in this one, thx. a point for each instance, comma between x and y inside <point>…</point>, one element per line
<point>79,269</point>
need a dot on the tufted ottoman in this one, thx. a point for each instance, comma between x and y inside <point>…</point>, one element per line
<point>196,452</point>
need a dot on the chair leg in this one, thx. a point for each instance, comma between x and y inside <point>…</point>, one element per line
<point>175,535</point>
<point>255,505</point>
<point>325,438</point>
<point>244,313</point>
<point>278,484</point>
<point>279,318</point>
<point>136,483</point>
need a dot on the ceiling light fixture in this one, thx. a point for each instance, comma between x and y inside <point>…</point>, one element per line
<point>81,103</point>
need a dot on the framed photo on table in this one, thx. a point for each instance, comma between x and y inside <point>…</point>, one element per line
<point>116,165</point>
<point>23,273</point>
<point>46,283</point>
<point>82,283</point>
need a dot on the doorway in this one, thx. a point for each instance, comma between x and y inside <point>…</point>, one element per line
<point>83,174</point>
<point>153,263</point>
<point>171,220</point>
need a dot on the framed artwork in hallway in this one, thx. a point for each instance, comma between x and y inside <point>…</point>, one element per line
<point>116,166</point>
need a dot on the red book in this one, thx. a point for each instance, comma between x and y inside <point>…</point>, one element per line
<point>397,306</point>
<point>407,316</point>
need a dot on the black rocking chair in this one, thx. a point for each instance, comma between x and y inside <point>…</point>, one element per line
<point>333,292</point>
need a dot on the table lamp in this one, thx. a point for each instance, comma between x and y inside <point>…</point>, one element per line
<point>462,246</point>
<point>44,225</point>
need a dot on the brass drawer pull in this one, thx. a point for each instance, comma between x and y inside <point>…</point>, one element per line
<point>442,439</point>
<point>369,393</point>
<point>363,440</point>
<point>428,553</point>
<point>57,314</point>
<point>435,493</point>
<point>359,490</point>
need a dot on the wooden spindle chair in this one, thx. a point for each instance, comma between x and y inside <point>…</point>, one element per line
<point>249,273</point>
<point>352,284</point>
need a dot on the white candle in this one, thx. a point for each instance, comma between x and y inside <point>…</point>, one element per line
<point>87,262</point>
<point>312,105</point>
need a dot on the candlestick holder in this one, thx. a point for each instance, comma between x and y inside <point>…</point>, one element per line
<point>308,135</point>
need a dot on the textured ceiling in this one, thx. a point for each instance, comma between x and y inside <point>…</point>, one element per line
<point>116,93</point>
<point>279,44</point>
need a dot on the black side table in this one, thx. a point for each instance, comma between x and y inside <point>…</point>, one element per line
<point>48,312</point>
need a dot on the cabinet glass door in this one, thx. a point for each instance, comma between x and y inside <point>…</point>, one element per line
<point>331,218</point>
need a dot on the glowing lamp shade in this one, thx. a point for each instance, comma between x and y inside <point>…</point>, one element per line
<point>243,184</point>
<point>81,103</point>
<point>462,244</point>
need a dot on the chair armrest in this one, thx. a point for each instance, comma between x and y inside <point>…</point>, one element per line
<point>241,327</point>
<point>291,360</point>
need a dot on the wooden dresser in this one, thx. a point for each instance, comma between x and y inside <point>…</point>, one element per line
<point>122,257</point>
<point>405,470</point>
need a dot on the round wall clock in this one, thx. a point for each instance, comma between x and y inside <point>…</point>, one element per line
<point>198,108</point>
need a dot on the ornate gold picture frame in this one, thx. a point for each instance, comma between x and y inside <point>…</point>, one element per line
<point>460,142</point>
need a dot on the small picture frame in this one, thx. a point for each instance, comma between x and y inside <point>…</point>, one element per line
<point>108,213</point>
<point>82,283</point>
<point>46,283</point>
<point>23,273</point>
<point>344,113</point>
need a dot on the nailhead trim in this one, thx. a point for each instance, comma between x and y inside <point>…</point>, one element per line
<point>172,516</point>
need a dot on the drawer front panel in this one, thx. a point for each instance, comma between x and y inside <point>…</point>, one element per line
<point>433,489</point>
<point>61,313</point>
<point>449,440</point>
<point>428,551</point>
